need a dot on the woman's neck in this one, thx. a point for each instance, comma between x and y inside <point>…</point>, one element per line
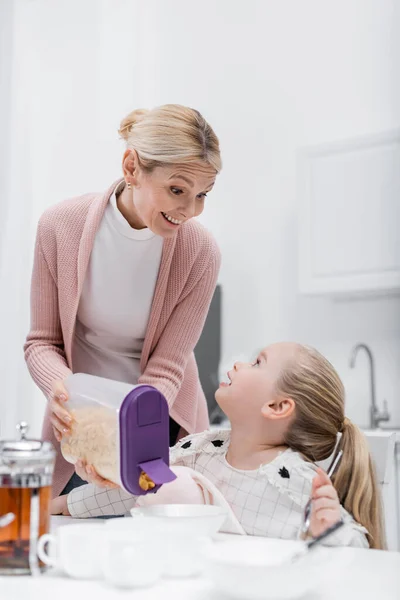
<point>126,207</point>
<point>246,452</point>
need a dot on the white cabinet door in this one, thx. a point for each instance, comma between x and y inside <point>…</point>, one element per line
<point>349,216</point>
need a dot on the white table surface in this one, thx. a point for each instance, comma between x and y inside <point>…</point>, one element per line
<point>374,575</point>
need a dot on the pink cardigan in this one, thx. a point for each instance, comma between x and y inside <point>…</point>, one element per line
<point>185,285</point>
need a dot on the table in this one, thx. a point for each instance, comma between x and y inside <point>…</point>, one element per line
<point>374,574</point>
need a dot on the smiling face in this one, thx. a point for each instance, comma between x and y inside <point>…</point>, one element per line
<point>251,392</point>
<point>168,196</point>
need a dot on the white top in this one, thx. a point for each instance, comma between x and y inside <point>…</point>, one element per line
<point>116,299</point>
<point>268,501</point>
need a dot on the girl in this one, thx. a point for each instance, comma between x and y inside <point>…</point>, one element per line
<point>287,413</point>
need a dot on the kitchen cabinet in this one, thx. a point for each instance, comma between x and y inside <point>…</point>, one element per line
<point>348,205</point>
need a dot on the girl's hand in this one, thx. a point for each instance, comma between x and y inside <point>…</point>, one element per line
<point>60,418</point>
<point>59,506</point>
<point>325,507</point>
<point>88,473</point>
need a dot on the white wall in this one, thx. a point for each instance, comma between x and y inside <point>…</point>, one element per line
<point>6,31</point>
<point>270,76</point>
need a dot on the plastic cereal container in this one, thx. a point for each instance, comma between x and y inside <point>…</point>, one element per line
<point>120,429</point>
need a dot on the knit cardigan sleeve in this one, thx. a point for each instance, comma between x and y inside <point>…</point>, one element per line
<point>44,347</point>
<point>166,366</point>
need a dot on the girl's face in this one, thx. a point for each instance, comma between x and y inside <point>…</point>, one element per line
<point>167,197</point>
<point>253,385</point>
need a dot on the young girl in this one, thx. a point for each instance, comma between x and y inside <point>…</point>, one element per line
<point>287,413</point>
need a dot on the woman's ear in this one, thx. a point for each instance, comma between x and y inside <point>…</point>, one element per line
<point>130,166</point>
<point>280,408</point>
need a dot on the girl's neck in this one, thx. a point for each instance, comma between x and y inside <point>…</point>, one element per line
<point>247,453</point>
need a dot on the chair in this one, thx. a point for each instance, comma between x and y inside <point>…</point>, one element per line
<point>382,445</point>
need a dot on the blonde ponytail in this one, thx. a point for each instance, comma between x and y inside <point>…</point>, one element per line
<point>356,484</point>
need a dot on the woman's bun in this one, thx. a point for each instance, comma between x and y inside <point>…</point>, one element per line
<point>130,120</point>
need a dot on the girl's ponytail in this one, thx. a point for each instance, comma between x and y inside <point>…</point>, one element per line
<point>356,484</point>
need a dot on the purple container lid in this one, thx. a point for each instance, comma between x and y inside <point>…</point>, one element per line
<point>144,439</point>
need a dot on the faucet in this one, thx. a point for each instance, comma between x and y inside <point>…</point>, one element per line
<point>376,416</point>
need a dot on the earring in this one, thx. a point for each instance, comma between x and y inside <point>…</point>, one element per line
<point>129,185</point>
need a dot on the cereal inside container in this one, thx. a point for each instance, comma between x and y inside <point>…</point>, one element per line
<point>94,440</point>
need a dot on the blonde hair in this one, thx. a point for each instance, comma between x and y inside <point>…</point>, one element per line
<point>170,134</point>
<point>312,382</point>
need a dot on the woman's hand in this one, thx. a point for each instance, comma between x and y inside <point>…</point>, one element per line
<point>60,418</point>
<point>89,473</point>
<point>59,506</point>
<point>325,508</point>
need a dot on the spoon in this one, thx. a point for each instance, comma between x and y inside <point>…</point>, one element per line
<point>316,541</point>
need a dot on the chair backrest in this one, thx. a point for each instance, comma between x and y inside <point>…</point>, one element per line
<point>381,446</point>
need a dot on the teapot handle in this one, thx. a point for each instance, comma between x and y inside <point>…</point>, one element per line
<point>34,531</point>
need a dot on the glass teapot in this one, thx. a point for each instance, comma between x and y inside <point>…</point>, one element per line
<point>26,472</point>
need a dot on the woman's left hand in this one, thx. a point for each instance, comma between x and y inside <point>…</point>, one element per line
<point>88,473</point>
<point>325,508</point>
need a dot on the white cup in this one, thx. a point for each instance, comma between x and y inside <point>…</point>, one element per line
<point>76,549</point>
<point>131,560</point>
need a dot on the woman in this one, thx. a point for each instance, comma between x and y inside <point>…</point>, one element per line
<point>122,281</point>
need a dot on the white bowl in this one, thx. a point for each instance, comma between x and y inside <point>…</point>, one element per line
<point>181,519</point>
<point>255,569</point>
<point>182,532</point>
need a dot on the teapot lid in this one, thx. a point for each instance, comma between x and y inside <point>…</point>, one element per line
<point>25,450</point>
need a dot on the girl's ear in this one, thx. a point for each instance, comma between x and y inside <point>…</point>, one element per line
<point>280,408</point>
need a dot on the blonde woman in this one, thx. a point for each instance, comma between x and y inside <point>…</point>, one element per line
<point>122,281</point>
<point>287,413</point>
